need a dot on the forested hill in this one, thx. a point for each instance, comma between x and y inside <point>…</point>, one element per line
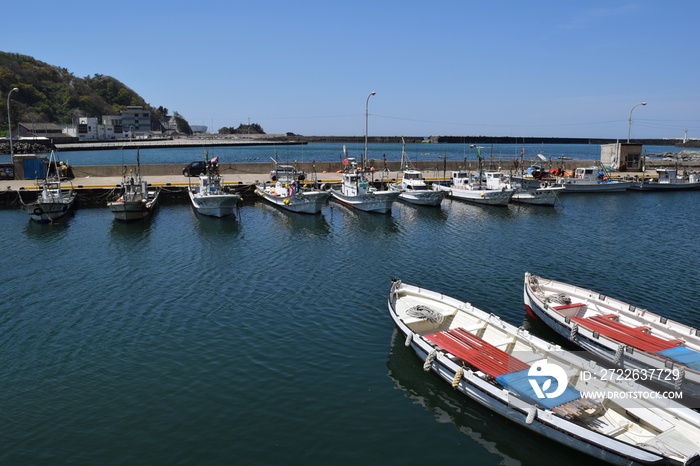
<point>51,94</point>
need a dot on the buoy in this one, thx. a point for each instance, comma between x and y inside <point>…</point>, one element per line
<point>286,202</point>
<point>409,337</point>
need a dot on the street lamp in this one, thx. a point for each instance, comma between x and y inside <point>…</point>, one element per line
<point>629,125</point>
<point>367,122</point>
<point>9,124</point>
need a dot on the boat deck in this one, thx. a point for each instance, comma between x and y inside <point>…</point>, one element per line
<point>477,352</point>
<point>636,337</point>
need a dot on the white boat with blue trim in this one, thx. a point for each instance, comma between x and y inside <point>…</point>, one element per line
<point>541,387</point>
<point>622,334</point>
<point>592,180</point>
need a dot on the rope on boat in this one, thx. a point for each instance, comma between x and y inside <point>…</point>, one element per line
<point>559,298</point>
<point>574,331</point>
<point>457,377</point>
<point>424,312</point>
<point>618,353</point>
<point>429,360</point>
<point>531,415</point>
<point>679,380</point>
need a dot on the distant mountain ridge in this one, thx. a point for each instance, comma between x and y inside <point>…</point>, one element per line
<point>51,94</point>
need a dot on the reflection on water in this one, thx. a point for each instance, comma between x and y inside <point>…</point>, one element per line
<point>368,222</point>
<point>294,222</point>
<point>499,440</point>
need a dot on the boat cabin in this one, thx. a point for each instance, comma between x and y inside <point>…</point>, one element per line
<point>413,180</point>
<point>589,173</point>
<point>355,184</point>
<point>496,180</point>
<point>209,184</point>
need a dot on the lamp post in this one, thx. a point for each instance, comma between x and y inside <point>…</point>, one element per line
<point>629,125</point>
<point>9,124</point>
<point>367,123</point>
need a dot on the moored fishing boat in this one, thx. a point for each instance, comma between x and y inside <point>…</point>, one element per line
<point>464,187</point>
<point>592,180</point>
<point>544,195</point>
<point>413,188</point>
<point>54,200</point>
<point>288,193</point>
<point>667,179</point>
<point>137,200</point>
<point>539,386</point>
<point>356,191</point>
<point>620,333</point>
<point>209,198</point>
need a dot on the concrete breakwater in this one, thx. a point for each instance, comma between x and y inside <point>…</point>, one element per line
<point>430,168</point>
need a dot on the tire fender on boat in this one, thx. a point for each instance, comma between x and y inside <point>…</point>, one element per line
<point>38,211</point>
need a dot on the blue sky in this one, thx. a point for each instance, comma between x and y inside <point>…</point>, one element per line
<point>499,68</point>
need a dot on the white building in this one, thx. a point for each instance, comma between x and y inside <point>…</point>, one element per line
<point>622,156</point>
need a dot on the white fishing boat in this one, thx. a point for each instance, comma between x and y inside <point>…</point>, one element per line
<point>592,180</point>
<point>620,333</point>
<point>466,187</point>
<point>288,193</point>
<point>53,200</point>
<point>208,197</point>
<point>541,387</point>
<point>474,188</point>
<point>137,199</point>
<point>544,195</point>
<point>357,192</point>
<point>668,179</point>
<point>413,188</point>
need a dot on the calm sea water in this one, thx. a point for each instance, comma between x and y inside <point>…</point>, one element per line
<point>330,152</point>
<point>264,338</point>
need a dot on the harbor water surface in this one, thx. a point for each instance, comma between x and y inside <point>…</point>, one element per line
<point>264,338</point>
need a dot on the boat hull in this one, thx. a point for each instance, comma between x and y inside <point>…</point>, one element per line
<point>214,205</point>
<point>664,186</point>
<point>308,202</point>
<point>127,211</point>
<point>425,198</point>
<point>479,196</point>
<point>572,185</point>
<point>51,211</point>
<point>377,201</point>
<point>540,196</point>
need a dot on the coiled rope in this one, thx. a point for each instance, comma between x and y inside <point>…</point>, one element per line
<point>424,312</point>
<point>560,298</point>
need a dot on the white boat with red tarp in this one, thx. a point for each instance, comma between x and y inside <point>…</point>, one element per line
<point>541,387</point>
<point>620,333</point>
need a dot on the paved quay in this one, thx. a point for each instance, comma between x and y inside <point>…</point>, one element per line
<point>109,182</point>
